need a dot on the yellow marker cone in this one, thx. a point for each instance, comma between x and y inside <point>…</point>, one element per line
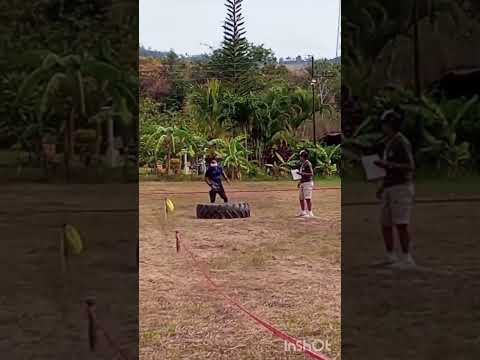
<point>169,205</point>
<point>73,239</point>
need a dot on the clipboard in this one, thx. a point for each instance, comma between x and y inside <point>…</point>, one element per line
<point>372,171</point>
<point>296,175</point>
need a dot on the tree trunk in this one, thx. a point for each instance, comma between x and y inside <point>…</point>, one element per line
<point>111,142</point>
<point>169,156</point>
<point>98,141</point>
<point>66,148</point>
<point>416,49</point>
<point>72,134</point>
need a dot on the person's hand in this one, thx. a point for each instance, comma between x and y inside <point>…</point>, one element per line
<point>381,163</point>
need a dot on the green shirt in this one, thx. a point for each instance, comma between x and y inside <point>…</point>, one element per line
<point>306,167</point>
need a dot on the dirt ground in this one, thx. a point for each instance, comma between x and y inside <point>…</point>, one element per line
<point>429,313</point>
<point>41,310</point>
<point>285,270</point>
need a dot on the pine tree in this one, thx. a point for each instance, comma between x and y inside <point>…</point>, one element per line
<point>235,51</point>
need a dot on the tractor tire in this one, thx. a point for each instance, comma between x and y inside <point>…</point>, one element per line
<point>223,211</point>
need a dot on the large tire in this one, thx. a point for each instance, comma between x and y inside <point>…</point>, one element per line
<point>223,211</point>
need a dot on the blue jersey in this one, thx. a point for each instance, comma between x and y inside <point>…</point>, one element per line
<point>214,174</point>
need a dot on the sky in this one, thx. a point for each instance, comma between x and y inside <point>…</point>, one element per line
<point>288,27</point>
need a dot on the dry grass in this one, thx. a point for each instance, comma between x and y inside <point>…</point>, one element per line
<point>284,269</point>
<point>411,314</point>
<point>41,312</point>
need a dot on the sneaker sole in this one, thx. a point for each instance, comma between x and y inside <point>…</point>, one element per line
<point>383,264</point>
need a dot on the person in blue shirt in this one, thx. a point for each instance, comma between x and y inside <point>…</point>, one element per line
<point>213,177</point>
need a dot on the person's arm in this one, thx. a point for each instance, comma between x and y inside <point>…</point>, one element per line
<point>225,177</point>
<point>207,178</point>
<point>405,161</point>
<point>380,190</point>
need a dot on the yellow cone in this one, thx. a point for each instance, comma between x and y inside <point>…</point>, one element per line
<point>73,238</point>
<point>169,205</point>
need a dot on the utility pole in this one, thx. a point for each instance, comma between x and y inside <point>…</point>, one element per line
<point>416,50</point>
<point>338,26</point>
<point>313,83</point>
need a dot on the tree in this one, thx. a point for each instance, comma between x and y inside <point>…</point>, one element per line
<point>235,60</point>
<point>206,105</point>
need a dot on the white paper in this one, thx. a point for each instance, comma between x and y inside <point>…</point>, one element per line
<point>372,171</point>
<point>296,175</point>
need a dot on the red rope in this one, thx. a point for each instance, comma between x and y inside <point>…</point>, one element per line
<point>95,325</point>
<point>275,331</point>
<point>239,191</point>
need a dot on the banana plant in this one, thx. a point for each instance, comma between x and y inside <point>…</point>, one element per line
<point>282,166</point>
<point>166,140</point>
<point>442,120</point>
<point>234,156</point>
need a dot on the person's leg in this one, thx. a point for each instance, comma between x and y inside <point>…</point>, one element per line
<point>404,237</point>
<point>213,196</point>
<point>301,196</point>
<point>223,195</point>
<point>308,192</point>
<point>401,218</point>
<point>301,199</point>
<point>387,233</point>
<point>387,228</point>
<point>302,204</point>
<point>309,204</point>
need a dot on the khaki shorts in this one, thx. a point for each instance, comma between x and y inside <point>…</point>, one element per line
<point>305,191</point>
<point>397,204</point>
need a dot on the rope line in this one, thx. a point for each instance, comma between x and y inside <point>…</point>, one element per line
<point>95,326</point>
<point>239,191</point>
<point>271,328</point>
<point>419,201</point>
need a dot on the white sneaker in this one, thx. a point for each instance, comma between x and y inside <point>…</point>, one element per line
<point>391,258</point>
<point>406,262</point>
<point>407,259</point>
<point>310,214</point>
<point>302,213</point>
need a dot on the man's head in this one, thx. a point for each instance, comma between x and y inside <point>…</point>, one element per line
<point>391,121</point>
<point>304,155</point>
<point>213,163</point>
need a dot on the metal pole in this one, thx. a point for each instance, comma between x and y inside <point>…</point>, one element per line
<point>338,26</point>
<point>313,103</point>
<point>416,50</point>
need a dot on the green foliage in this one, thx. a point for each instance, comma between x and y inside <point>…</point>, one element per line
<point>234,59</point>
<point>234,156</point>
<point>59,66</point>
<point>442,120</point>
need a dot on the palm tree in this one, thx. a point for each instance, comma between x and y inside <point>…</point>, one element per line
<point>207,107</point>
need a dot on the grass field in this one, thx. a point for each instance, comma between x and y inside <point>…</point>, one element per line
<point>283,269</point>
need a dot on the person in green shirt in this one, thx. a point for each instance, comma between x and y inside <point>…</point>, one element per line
<point>305,185</point>
<point>396,191</point>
